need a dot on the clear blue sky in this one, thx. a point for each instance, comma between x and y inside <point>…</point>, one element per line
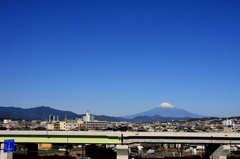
<point>121,57</point>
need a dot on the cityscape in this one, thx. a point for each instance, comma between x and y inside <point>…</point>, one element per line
<point>88,122</point>
<point>122,79</point>
<point>207,125</point>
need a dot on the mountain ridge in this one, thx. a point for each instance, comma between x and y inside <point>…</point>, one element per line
<point>43,112</point>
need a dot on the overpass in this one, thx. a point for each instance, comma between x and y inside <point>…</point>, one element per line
<point>122,139</point>
<point>181,137</point>
<point>112,137</point>
<point>84,137</point>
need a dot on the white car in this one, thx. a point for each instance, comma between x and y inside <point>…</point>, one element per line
<point>62,149</point>
<point>151,151</point>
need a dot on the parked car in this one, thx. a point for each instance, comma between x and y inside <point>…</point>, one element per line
<point>62,149</point>
<point>132,155</point>
<point>151,151</point>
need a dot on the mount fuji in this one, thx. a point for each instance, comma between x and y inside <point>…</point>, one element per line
<point>166,110</point>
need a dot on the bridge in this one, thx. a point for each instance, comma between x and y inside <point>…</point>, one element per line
<point>122,139</point>
<point>112,137</point>
<point>179,137</point>
<point>84,137</point>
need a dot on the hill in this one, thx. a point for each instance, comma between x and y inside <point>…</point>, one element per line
<point>37,113</point>
<point>43,112</point>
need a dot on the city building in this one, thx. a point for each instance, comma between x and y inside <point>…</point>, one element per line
<point>88,117</point>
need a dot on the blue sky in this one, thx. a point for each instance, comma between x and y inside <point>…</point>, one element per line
<point>121,57</point>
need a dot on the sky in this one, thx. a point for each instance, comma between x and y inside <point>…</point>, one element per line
<point>121,57</point>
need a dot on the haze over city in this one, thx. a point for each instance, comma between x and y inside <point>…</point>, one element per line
<point>119,58</point>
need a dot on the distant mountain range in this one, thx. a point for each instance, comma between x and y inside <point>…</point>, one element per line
<point>166,110</point>
<point>38,113</point>
<point>43,112</point>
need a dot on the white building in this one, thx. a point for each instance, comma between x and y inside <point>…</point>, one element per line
<point>227,123</point>
<point>88,117</point>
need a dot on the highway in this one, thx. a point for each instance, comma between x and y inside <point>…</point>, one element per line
<point>110,137</point>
